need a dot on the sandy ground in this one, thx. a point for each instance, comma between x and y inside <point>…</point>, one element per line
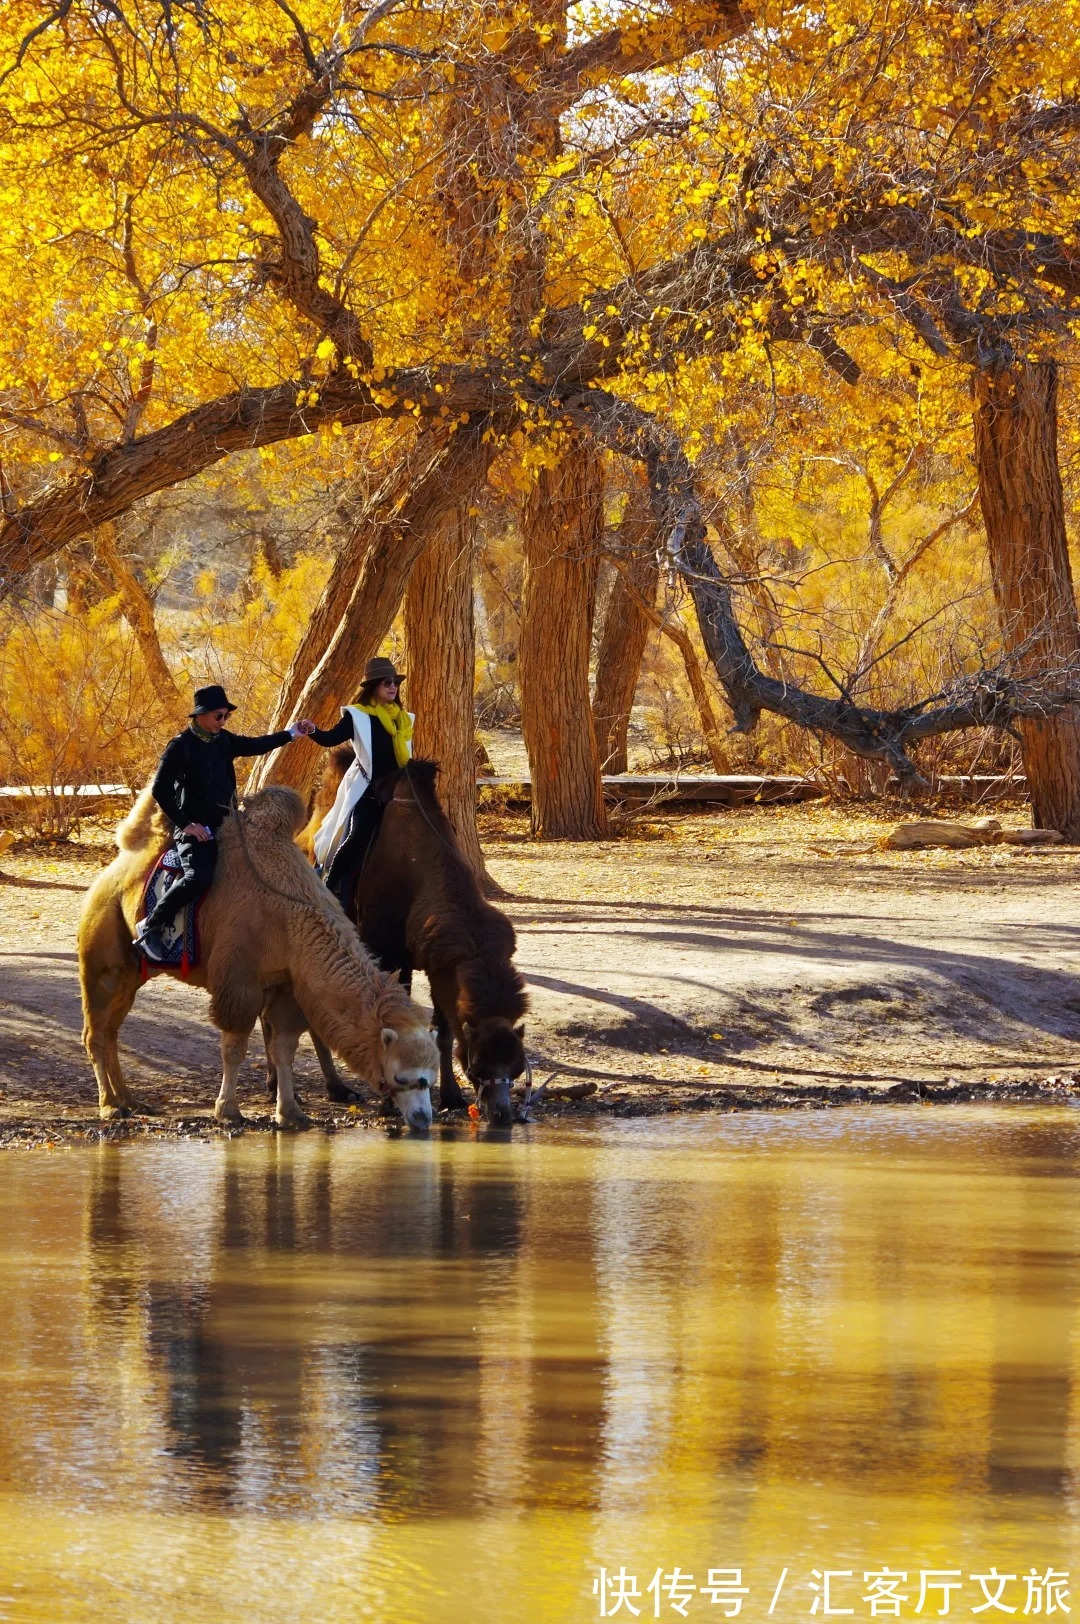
<point>758,956</point>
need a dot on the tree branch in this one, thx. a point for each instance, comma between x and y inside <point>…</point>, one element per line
<point>699,285</point>
<point>657,44</point>
<point>986,699</point>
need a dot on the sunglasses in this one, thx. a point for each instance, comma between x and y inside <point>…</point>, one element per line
<point>219,716</point>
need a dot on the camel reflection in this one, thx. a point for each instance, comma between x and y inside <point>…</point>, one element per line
<point>385,1330</point>
<point>370,1343</point>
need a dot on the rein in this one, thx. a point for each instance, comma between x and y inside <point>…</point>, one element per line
<point>420,807</point>
<point>287,896</point>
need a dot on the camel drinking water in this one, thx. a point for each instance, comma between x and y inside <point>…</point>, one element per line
<point>418,906</point>
<point>272,940</point>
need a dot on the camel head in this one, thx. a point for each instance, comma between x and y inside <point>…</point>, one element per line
<point>410,1065</point>
<point>492,1053</point>
<point>276,813</point>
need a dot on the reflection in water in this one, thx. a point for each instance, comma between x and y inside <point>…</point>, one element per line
<point>392,1378</point>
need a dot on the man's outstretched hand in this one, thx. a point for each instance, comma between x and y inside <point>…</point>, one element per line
<point>302,730</point>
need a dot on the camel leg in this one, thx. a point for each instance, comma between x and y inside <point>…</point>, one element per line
<point>286,1021</point>
<point>336,1087</point>
<point>271,1069</point>
<point>107,997</point>
<point>387,942</point>
<point>121,1092</point>
<point>233,1049</point>
<point>450,1096</point>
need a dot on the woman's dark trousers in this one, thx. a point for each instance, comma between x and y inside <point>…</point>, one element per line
<point>344,870</point>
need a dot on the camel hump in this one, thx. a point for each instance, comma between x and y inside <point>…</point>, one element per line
<point>144,826</point>
<point>275,813</point>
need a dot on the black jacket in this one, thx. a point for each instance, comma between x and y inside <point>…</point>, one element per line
<point>196,781</point>
<point>340,733</point>
<point>383,759</point>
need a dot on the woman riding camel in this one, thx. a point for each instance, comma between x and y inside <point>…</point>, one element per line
<point>380,732</point>
<point>195,787</point>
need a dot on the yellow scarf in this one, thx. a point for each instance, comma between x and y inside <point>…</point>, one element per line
<point>398,723</point>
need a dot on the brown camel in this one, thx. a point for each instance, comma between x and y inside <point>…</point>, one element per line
<point>272,940</point>
<point>418,906</point>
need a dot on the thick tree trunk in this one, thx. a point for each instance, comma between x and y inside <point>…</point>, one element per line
<point>137,609</point>
<point>1020,492</point>
<point>562,523</point>
<point>399,534</point>
<point>378,512</point>
<point>441,666</point>
<point>626,629</point>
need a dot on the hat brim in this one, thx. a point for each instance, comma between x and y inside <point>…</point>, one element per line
<point>205,710</point>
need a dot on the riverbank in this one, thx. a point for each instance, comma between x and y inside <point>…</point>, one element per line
<point>763,957</point>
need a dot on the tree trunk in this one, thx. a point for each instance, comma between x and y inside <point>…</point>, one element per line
<point>672,627</point>
<point>1020,492</point>
<point>137,608</point>
<point>398,535</point>
<point>561,528</point>
<point>378,511</point>
<point>441,669</point>
<point>626,629</point>
<point>710,726</point>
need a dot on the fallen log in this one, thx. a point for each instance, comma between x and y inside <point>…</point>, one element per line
<point>921,834</point>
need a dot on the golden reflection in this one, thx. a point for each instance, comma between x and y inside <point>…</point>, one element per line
<point>402,1379</point>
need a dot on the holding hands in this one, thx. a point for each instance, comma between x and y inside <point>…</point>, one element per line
<point>302,730</point>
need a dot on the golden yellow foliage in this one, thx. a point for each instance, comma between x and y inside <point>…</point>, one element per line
<point>75,703</point>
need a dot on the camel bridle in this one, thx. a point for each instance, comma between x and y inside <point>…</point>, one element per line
<point>397,1087</point>
<point>287,896</point>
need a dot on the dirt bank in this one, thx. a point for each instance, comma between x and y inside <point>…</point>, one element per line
<point>764,956</point>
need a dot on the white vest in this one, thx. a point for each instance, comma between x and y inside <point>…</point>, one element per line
<point>354,785</point>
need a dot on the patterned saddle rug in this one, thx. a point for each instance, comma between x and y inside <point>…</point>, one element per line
<point>181,937</point>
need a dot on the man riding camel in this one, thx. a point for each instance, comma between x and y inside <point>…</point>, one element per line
<point>195,787</point>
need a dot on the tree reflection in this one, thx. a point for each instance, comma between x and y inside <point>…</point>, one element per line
<point>394,1331</point>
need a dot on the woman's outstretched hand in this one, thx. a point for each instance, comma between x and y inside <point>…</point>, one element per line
<point>303,729</point>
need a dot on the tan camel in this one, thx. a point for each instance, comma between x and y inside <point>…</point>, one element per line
<point>272,939</point>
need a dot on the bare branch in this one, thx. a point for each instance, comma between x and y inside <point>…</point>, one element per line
<point>646,47</point>
<point>46,23</point>
<point>301,34</point>
<point>868,656</point>
<point>33,425</point>
<point>992,698</point>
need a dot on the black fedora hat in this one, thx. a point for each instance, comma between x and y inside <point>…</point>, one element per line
<point>211,699</point>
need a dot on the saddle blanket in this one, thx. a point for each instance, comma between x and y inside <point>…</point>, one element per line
<point>181,937</point>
